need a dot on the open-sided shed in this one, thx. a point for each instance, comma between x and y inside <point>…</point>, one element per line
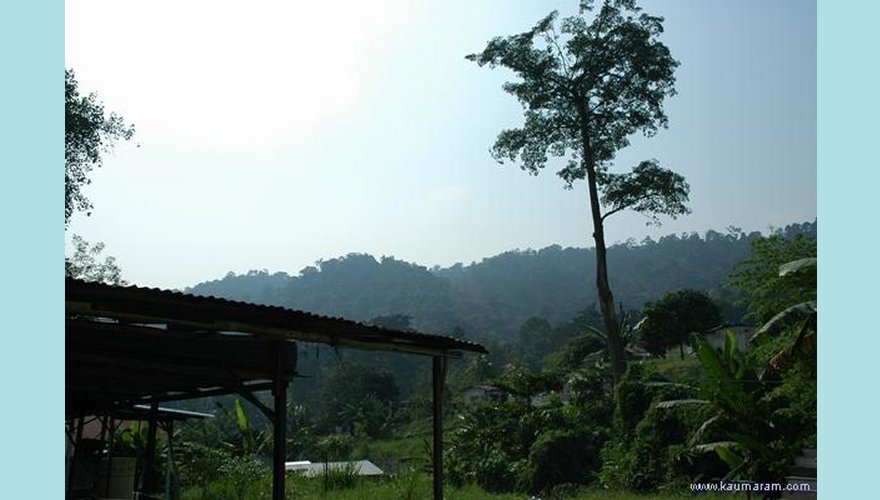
<point>129,345</point>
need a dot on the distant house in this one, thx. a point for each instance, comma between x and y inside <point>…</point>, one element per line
<point>742,333</point>
<point>484,392</point>
<point>545,398</point>
<point>312,469</point>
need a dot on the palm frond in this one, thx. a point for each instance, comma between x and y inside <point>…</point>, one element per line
<point>796,265</point>
<point>664,405</point>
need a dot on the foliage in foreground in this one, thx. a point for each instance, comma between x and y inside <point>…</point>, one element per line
<point>763,401</point>
<point>518,445</point>
<point>411,485</point>
<point>568,432</point>
<point>765,290</point>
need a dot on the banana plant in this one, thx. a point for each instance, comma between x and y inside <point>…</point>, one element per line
<point>628,334</point>
<point>238,434</point>
<point>745,427</point>
<point>244,425</point>
<point>801,320</point>
<point>740,428</point>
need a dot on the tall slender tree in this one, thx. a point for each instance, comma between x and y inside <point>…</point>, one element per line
<point>585,88</point>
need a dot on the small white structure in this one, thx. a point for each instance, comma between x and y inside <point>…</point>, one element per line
<point>483,392</point>
<point>545,398</point>
<point>298,466</point>
<point>310,469</point>
<point>742,334</point>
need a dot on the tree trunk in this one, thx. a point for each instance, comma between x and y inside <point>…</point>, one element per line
<point>606,298</point>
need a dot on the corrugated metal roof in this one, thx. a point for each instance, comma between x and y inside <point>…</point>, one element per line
<point>126,345</point>
<point>136,304</point>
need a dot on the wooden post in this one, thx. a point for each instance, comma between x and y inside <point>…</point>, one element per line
<point>76,452</point>
<point>437,379</point>
<point>148,481</point>
<point>280,426</point>
<point>169,461</point>
<point>110,456</point>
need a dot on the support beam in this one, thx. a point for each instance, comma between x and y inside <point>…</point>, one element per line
<point>169,463</point>
<point>279,455</point>
<point>112,441</point>
<point>73,459</point>
<point>438,375</point>
<point>269,412</point>
<point>148,479</point>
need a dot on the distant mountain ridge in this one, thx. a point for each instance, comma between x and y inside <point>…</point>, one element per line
<point>493,297</point>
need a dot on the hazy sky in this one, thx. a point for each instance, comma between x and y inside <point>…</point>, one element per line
<point>274,134</point>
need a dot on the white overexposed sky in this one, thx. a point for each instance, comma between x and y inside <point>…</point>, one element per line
<point>270,135</point>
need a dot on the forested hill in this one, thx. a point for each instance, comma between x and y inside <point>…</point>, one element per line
<point>493,297</point>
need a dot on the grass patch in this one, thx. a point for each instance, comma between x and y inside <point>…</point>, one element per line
<point>410,485</point>
<point>685,371</point>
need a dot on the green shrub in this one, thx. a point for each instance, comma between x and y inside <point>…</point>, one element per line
<point>558,457</point>
<point>632,399</point>
<point>647,451</point>
<point>490,446</point>
<point>199,464</point>
<point>242,472</point>
<point>515,446</point>
<point>341,478</point>
<point>335,447</point>
<point>407,485</point>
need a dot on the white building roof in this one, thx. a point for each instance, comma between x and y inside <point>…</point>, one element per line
<point>310,469</point>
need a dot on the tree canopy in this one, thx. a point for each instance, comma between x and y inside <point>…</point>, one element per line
<point>88,134</point>
<point>670,320</point>
<point>585,88</point>
<point>358,398</point>
<point>767,291</point>
<point>85,263</point>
